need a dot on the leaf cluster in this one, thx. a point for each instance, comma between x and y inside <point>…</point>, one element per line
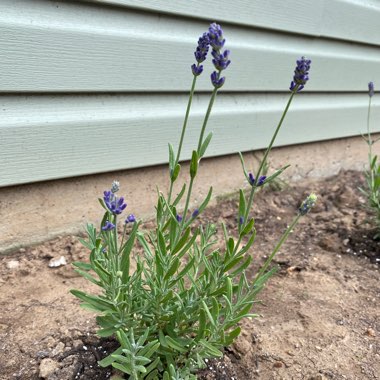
<point>372,190</point>
<point>183,301</point>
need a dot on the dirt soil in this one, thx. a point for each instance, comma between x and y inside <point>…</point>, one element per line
<point>319,316</point>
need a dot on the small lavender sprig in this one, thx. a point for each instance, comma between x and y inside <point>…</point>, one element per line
<point>371,92</point>
<point>221,62</point>
<point>200,55</point>
<point>301,74</point>
<point>300,78</point>
<point>372,190</point>
<point>304,208</point>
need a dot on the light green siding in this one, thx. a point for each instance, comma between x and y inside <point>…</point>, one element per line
<point>90,87</point>
<point>355,20</point>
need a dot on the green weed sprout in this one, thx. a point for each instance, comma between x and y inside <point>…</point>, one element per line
<point>184,301</point>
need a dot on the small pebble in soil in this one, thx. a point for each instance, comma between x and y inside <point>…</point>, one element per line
<point>58,349</point>
<point>13,264</point>
<point>57,262</point>
<point>371,332</point>
<point>47,367</point>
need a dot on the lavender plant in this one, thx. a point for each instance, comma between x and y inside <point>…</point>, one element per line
<point>186,297</point>
<point>372,174</point>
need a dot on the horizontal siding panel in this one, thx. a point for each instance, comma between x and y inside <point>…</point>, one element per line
<point>351,20</point>
<point>45,137</point>
<point>71,47</point>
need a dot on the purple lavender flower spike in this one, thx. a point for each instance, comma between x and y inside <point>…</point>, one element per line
<point>114,204</point>
<point>301,74</point>
<point>216,80</point>
<point>179,218</point>
<point>130,219</point>
<point>371,89</point>
<point>108,226</point>
<point>221,60</point>
<point>195,213</point>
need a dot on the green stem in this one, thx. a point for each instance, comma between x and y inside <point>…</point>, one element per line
<point>276,248</point>
<point>204,125</point>
<point>370,142</point>
<point>263,161</point>
<point>209,108</point>
<point>190,101</point>
<point>186,204</point>
<point>122,238</point>
<point>116,252</point>
<point>134,374</point>
<point>186,119</point>
<point>169,197</point>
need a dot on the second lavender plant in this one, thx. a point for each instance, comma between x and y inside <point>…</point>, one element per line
<point>372,173</point>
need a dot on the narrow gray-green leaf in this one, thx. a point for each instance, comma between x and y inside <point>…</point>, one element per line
<point>205,144</point>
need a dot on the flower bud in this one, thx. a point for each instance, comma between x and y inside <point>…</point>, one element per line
<point>371,89</point>
<point>115,187</point>
<point>307,204</point>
